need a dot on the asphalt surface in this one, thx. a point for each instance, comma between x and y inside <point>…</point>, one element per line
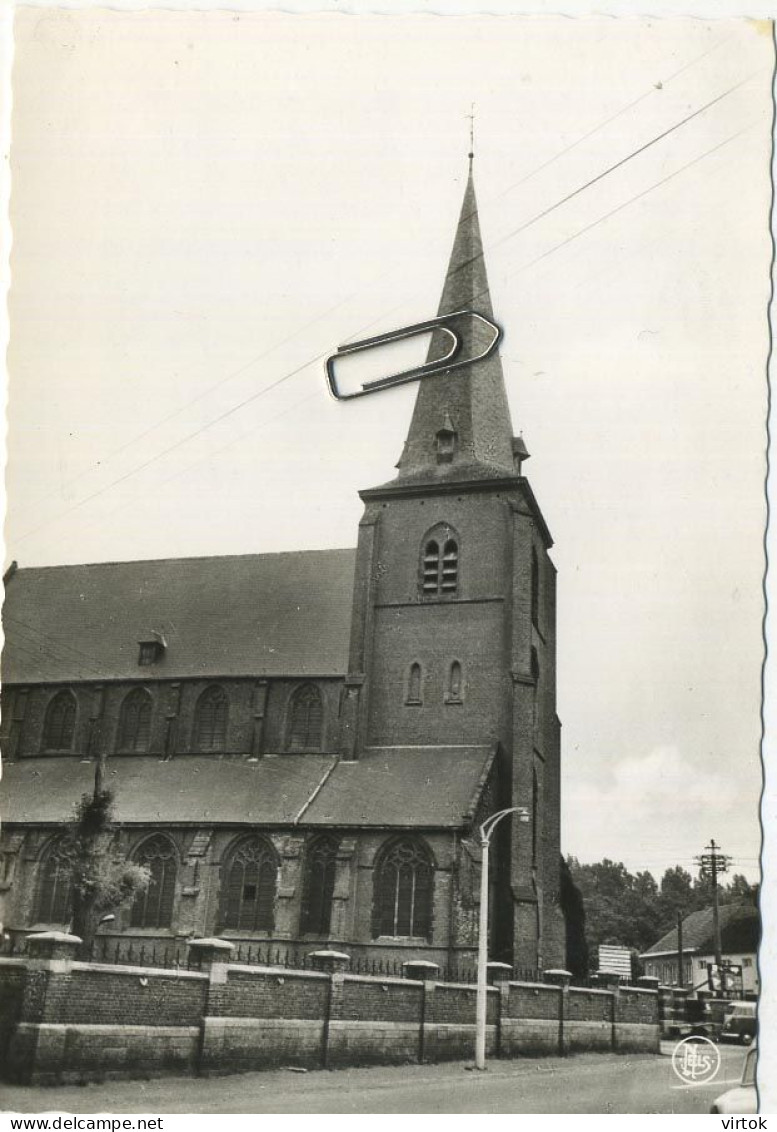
<point>585,1083</point>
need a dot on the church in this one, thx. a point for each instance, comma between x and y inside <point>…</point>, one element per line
<point>302,745</point>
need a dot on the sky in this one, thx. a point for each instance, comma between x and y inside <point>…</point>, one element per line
<point>205,205</point>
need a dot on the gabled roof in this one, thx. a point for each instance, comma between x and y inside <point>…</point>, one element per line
<point>740,928</point>
<point>411,787</point>
<point>285,614</point>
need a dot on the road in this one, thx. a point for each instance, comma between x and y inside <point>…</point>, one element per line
<point>592,1083</point>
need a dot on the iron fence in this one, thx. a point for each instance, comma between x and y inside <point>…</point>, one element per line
<point>178,955</point>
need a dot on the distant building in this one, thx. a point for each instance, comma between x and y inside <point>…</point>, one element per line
<point>302,745</point>
<point>740,929</point>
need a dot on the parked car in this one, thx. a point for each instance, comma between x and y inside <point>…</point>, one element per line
<point>739,1023</point>
<point>743,1099</point>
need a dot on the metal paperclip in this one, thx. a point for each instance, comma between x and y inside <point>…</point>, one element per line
<point>446,363</point>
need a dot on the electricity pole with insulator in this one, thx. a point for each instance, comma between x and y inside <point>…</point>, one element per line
<point>712,863</point>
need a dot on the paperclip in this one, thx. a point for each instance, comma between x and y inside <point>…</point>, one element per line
<point>446,363</point>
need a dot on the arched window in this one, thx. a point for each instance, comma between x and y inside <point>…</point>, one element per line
<point>319,886</point>
<point>414,685</point>
<point>55,885</point>
<point>453,693</point>
<point>135,721</point>
<point>60,724</point>
<point>154,907</point>
<point>404,881</point>
<point>535,589</point>
<point>248,887</point>
<point>210,720</point>
<point>306,719</point>
<point>439,573</point>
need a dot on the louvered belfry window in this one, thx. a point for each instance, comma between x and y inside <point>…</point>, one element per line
<point>154,907</point>
<point>210,720</point>
<point>431,568</point>
<point>306,719</point>
<point>60,724</point>
<point>320,865</point>
<point>55,886</point>
<point>403,905</point>
<point>250,883</point>
<point>135,721</point>
<point>440,567</point>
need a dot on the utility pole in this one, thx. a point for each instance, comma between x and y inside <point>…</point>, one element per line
<point>680,954</point>
<point>712,863</point>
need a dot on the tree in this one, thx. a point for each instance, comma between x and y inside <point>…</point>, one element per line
<point>103,879</point>
<point>676,898</point>
<point>574,918</point>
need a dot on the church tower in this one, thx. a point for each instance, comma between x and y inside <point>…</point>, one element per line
<point>453,638</point>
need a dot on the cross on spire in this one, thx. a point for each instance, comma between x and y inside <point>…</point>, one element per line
<point>471,117</point>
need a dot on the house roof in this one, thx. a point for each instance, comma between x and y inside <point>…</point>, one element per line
<point>285,614</point>
<point>426,787</point>
<point>740,928</point>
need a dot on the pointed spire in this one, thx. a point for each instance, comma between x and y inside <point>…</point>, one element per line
<point>473,397</point>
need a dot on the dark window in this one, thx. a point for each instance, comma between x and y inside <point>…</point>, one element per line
<point>454,692</point>
<point>535,815</point>
<point>154,907</point>
<point>59,727</point>
<point>249,884</point>
<point>431,568</point>
<point>535,675</point>
<point>135,721</point>
<point>535,589</point>
<point>55,885</point>
<point>306,719</point>
<point>440,567</point>
<point>149,652</point>
<point>414,685</point>
<point>210,720</point>
<point>403,897</point>
<point>319,887</point>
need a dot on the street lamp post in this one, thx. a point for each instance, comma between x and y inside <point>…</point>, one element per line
<point>486,830</point>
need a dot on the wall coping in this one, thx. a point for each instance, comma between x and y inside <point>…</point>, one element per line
<point>56,937</point>
<point>461,986</point>
<point>152,972</point>
<point>13,961</point>
<point>391,980</point>
<point>281,972</point>
<point>551,988</point>
<point>590,990</point>
<point>212,943</point>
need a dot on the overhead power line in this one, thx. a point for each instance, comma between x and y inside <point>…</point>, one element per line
<point>319,357</point>
<point>277,345</point>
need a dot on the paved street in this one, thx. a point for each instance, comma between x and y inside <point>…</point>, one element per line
<point>598,1083</point>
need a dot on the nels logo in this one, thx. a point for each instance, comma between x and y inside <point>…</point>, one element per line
<point>696,1060</point>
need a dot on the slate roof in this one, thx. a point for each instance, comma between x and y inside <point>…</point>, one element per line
<point>285,614</point>
<point>422,787</point>
<point>740,928</point>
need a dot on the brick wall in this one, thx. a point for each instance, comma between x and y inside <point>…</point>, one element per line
<point>68,1021</point>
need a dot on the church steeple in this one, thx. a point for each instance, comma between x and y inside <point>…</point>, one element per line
<point>461,423</point>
